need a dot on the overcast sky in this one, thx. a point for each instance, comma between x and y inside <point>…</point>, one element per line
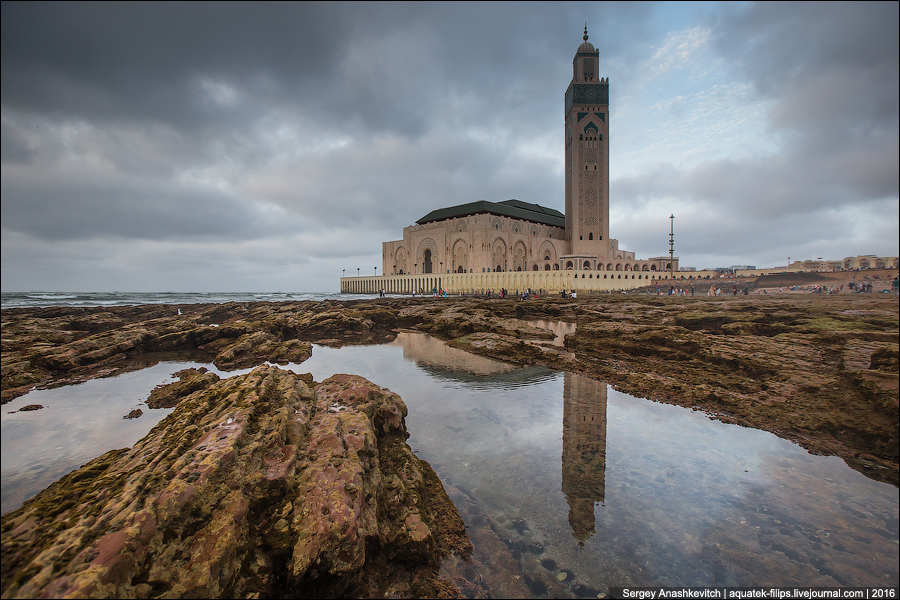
<point>268,147</point>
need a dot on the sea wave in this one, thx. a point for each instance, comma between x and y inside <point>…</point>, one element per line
<point>41,299</point>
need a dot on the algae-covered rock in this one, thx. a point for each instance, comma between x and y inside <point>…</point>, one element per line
<point>789,364</point>
<point>259,485</point>
<point>189,381</point>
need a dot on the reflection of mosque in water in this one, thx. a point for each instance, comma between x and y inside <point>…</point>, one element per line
<point>441,361</point>
<point>584,450</point>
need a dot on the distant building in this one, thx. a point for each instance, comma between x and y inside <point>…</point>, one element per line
<point>869,261</point>
<point>866,261</point>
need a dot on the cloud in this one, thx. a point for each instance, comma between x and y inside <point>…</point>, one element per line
<point>298,137</point>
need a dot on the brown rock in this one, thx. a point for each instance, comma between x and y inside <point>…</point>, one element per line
<point>257,485</point>
<point>817,369</point>
<point>134,414</point>
<point>189,381</point>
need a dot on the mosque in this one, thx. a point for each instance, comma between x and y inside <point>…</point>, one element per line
<point>518,245</point>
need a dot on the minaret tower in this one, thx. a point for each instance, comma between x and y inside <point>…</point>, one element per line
<point>587,158</point>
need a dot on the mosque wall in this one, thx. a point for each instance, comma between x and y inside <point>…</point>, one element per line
<point>482,243</point>
<point>514,281</point>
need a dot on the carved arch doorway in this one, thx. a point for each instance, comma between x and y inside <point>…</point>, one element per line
<point>427,264</point>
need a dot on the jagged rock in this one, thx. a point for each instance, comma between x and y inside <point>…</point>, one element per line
<point>253,348</point>
<point>134,414</point>
<point>259,485</point>
<point>30,407</point>
<point>798,365</point>
<point>46,347</point>
<point>189,381</point>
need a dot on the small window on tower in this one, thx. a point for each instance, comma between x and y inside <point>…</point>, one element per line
<point>590,236</point>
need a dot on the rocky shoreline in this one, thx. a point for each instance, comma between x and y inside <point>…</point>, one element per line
<point>821,370</point>
<point>261,485</point>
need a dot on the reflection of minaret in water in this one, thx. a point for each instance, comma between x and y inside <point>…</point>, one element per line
<point>584,450</point>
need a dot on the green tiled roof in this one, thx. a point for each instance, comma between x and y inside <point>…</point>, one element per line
<point>508,208</point>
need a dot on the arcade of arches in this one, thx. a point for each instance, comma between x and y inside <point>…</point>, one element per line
<point>484,245</point>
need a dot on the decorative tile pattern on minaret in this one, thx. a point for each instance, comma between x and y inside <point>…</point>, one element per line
<point>587,155</point>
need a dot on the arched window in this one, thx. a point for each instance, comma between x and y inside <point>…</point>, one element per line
<point>546,267</point>
<point>427,264</point>
<point>591,236</point>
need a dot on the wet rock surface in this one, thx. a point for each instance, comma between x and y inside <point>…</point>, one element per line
<point>820,370</point>
<point>260,485</point>
<point>61,346</point>
<point>189,381</point>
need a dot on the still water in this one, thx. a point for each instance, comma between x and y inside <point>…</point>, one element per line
<point>567,486</point>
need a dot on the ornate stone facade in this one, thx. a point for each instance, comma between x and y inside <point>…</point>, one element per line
<point>514,236</point>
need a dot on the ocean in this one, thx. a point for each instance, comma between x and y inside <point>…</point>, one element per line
<point>44,299</point>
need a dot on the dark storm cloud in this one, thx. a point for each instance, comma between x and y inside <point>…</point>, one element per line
<point>175,87</point>
<point>133,208</point>
<point>139,60</point>
<point>294,133</point>
<point>373,64</point>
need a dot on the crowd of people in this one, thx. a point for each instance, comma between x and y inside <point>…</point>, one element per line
<point>688,290</point>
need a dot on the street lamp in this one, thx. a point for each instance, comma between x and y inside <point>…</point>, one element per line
<point>357,271</point>
<point>376,271</point>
